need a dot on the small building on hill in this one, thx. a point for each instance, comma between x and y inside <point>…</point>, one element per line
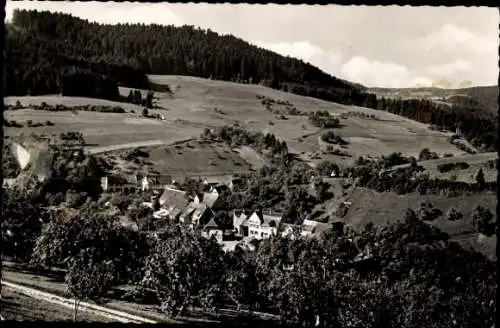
<point>8,183</point>
<point>155,182</point>
<point>312,228</point>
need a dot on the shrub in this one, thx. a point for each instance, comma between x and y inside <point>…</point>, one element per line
<point>446,167</point>
<point>453,215</point>
<point>426,154</point>
<point>482,220</point>
<point>323,119</point>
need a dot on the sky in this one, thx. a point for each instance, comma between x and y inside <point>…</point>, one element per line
<point>376,46</point>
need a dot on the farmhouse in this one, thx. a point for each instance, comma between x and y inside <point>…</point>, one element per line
<point>134,182</point>
<point>155,182</point>
<point>207,198</point>
<point>8,183</point>
<point>196,214</point>
<point>312,228</point>
<point>239,219</point>
<point>213,229</point>
<point>173,202</point>
<point>116,183</point>
<point>262,225</point>
<point>234,183</point>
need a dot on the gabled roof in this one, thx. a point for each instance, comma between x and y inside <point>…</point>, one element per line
<point>315,227</point>
<point>211,224</point>
<point>174,200</point>
<point>265,219</point>
<point>209,198</point>
<point>212,181</point>
<point>189,210</point>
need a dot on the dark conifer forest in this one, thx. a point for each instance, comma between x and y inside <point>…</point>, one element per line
<point>50,52</point>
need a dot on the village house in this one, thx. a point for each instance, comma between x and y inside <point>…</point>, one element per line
<point>116,183</point>
<point>239,219</point>
<point>212,229</point>
<point>259,225</point>
<point>8,183</point>
<point>212,182</point>
<point>134,182</point>
<point>172,202</point>
<point>310,228</point>
<point>155,182</point>
<point>262,225</point>
<point>234,184</point>
<point>196,214</point>
<point>208,198</point>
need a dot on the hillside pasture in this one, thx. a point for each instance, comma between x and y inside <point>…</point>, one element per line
<point>195,100</point>
<point>383,209</point>
<point>191,158</point>
<point>100,129</point>
<point>196,103</point>
<point>475,162</point>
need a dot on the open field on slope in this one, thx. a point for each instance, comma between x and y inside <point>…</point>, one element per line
<point>100,129</point>
<point>217,102</point>
<point>196,103</point>
<point>476,162</point>
<point>385,208</point>
<point>187,158</point>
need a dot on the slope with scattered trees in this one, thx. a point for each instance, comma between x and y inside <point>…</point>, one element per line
<point>47,46</point>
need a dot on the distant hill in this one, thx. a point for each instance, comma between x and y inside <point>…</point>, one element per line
<point>154,49</point>
<point>485,97</point>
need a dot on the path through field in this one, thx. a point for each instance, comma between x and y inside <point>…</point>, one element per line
<point>149,143</point>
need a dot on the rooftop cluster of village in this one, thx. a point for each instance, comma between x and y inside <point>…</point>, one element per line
<point>195,210</point>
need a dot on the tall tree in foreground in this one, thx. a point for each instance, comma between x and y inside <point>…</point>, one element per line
<point>97,252</point>
<point>185,269</point>
<point>22,223</point>
<point>89,278</point>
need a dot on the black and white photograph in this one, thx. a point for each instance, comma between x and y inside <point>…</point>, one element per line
<point>250,165</point>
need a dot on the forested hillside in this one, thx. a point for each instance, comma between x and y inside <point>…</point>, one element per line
<point>161,50</point>
<point>47,52</point>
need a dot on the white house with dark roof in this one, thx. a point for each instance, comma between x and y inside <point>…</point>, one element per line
<point>239,222</point>
<point>213,229</point>
<point>314,228</point>
<point>8,183</point>
<point>262,225</point>
<point>196,214</point>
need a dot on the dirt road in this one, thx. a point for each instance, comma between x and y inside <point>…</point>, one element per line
<point>149,143</point>
<point>95,311</point>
